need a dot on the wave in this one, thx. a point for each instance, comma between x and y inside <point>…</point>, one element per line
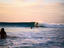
<point>51,25</point>
<point>30,24</point>
<point>17,24</point>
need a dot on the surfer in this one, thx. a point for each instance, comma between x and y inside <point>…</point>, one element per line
<point>3,34</point>
<point>36,25</point>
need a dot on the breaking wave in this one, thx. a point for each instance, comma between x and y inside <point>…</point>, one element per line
<point>51,25</point>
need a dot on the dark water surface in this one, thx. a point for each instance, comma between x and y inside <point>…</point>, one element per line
<point>33,38</point>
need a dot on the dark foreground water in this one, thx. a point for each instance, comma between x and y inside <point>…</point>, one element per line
<point>33,38</point>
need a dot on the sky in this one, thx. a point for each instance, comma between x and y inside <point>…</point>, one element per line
<point>48,11</point>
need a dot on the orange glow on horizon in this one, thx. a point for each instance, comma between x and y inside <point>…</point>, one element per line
<point>23,11</point>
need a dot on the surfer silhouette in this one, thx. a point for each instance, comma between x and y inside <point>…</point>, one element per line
<point>3,34</point>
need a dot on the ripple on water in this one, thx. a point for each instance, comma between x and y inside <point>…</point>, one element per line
<point>30,38</point>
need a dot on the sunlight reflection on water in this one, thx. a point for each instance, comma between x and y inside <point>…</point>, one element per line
<point>33,38</point>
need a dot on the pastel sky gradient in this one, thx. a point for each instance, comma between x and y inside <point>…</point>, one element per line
<point>50,11</point>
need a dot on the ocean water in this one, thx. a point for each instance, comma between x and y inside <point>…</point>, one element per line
<point>19,37</point>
